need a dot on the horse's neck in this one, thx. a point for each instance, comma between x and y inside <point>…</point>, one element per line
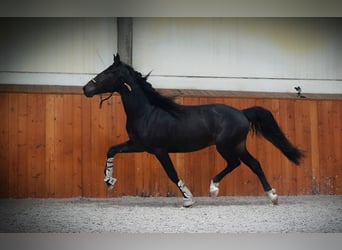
<point>135,103</point>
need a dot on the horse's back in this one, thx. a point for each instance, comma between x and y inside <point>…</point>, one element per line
<point>218,119</point>
<point>219,113</point>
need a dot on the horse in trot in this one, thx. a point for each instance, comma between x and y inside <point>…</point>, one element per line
<point>158,125</point>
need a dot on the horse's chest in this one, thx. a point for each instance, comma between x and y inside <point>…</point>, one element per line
<point>139,134</point>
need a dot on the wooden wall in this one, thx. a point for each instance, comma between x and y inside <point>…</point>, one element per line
<point>54,145</point>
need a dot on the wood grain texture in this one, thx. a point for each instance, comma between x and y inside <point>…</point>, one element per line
<point>55,145</point>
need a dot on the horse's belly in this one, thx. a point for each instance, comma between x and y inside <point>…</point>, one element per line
<point>180,144</point>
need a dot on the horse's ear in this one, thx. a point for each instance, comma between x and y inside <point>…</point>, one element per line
<point>148,75</point>
<point>117,58</point>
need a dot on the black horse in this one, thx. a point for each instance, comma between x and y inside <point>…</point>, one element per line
<point>158,125</point>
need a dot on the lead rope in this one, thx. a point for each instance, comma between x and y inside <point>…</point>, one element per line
<point>105,99</point>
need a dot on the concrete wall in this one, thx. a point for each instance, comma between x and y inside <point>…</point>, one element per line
<point>253,54</point>
<point>62,51</point>
<point>245,54</point>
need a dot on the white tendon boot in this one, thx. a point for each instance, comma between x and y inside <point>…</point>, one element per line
<point>109,180</point>
<point>213,189</point>
<point>187,195</point>
<point>273,196</point>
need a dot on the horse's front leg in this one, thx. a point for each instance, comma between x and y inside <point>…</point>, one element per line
<point>126,147</point>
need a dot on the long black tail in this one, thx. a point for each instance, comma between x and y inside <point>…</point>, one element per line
<point>262,121</point>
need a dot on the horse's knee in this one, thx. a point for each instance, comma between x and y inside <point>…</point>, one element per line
<point>111,152</point>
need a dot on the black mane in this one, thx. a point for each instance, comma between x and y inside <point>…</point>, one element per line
<point>155,98</point>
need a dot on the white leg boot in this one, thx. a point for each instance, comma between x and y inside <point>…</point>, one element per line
<point>273,196</point>
<point>213,189</point>
<point>109,180</point>
<point>187,195</point>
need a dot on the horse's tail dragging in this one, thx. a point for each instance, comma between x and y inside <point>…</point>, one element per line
<point>262,121</point>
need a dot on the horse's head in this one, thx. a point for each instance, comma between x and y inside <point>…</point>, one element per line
<point>113,79</point>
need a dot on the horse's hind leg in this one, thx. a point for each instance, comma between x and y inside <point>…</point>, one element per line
<point>232,162</point>
<point>255,166</point>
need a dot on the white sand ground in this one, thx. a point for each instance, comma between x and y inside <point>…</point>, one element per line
<point>310,214</point>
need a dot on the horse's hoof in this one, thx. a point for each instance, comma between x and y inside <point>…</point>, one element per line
<point>275,200</point>
<point>273,196</point>
<point>214,190</point>
<point>188,202</point>
<point>110,182</point>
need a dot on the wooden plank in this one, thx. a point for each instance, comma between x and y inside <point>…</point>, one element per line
<point>76,146</point>
<point>22,175</point>
<point>334,147</point>
<point>14,159</point>
<point>86,159</point>
<point>322,145</point>
<point>314,141</point>
<point>60,166</point>
<point>36,145</point>
<point>4,145</point>
<point>331,171</point>
<point>50,145</point>
<point>93,180</point>
<point>68,144</point>
<point>306,137</point>
<point>337,130</point>
<point>325,146</point>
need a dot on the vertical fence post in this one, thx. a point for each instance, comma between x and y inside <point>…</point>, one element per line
<point>125,38</point>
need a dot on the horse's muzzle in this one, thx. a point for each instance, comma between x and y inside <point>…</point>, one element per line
<point>89,91</point>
